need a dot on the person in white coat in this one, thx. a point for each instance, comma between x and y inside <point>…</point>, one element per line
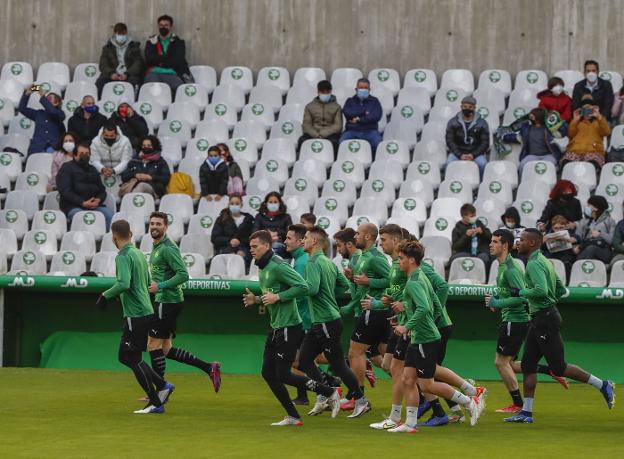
<point>111,151</point>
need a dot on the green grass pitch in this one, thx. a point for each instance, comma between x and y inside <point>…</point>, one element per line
<point>58,413</point>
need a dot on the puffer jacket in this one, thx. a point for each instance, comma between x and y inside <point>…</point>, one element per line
<point>85,128</point>
<point>604,223</point>
<point>132,58</point>
<point>117,156</point>
<point>49,127</point>
<point>279,224</point>
<point>322,119</point>
<point>77,184</point>
<point>467,138</point>
<point>561,103</point>
<point>587,136</point>
<point>368,110</point>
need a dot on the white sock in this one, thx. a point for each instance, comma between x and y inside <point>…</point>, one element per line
<point>361,401</point>
<point>321,398</point>
<point>468,389</point>
<point>460,398</point>
<point>456,408</point>
<point>528,405</point>
<point>412,416</point>
<point>395,413</point>
<point>596,382</point>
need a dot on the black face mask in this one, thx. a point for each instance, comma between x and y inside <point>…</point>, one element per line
<point>567,197</point>
<point>467,112</point>
<point>147,151</point>
<point>84,161</point>
<point>163,31</point>
<point>110,142</point>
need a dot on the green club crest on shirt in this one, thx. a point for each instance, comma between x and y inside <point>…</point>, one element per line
<point>236,73</point>
<point>68,258</point>
<point>254,202</point>
<point>189,260</point>
<point>605,76</point>
<point>257,109</point>
<point>540,168</point>
<point>17,69</point>
<point>377,186</point>
<point>109,181</point>
<point>456,187</point>
<point>495,187</point>
<point>11,216</point>
<point>467,264</point>
<point>392,148</point>
<point>49,218</point>
<point>424,168</point>
<point>612,189</point>
<point>441,224</point>
<point>190,90</point>
<point>323,222</point>
<point>89,218</point>
<point>316,146</point>
<point>407,111</point>
<point>240,145</point>
<point>344,262</point>
<point>109,106</point>
<point>118,89</point>
<point>148,256</point>
<point>354,146</point>
<point>29,258</point>
<point>288,128</point>
<point>339,186</point>
<point>383,75</point>
<point>331,204</point>
<point>272,165</point>
<point>362,220</point>
<point>175,126</point>
<point>273,74</point>
<point>32,179</point>
<point>145,108</point>
<point>347,167</point>
<point>6,159</point>
<point>90,71</point>
<point>40,237</point>
<point>420,76</point>
<point>25,123</point>
<point>301,184</point>
<point>71,105</point>
<point>519,112</point>
<point>588,267</point>
<point>494,76</point>
<point>206,222</point>
<point>409,204</point>
<point>202,144</point>
<point>138,200</point>
<point>532,77</point>
<point>526,207</point>
<point>220,109</point>
<point>483,112</point>
<point>452,95</point>
<point>617,170</point>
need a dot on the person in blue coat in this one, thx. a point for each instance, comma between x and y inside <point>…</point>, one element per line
<point>49,125</point>
<point>363,113</point>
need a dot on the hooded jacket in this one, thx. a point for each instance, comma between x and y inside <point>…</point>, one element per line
<point>225,229</point>
<point>117,156</point>
<point>134,127</point>
<point>77,184</point>
<point>368,110</point>
<point>132,58</point>
<point>174,58</point>
<point>467,138</point>
<point>561,103</point>
<point>604,223</point>
<point>214,179</point>
<point>322,119</point>
<point>462,243</point>
<point>85,128</point>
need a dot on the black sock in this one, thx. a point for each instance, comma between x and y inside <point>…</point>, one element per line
<point>182,356</point>
<point>451,404</point>
<point>362,389</point>
<point>302,394</point>
<point>438,411</point>
<point>516,397</point>
<point>158,362</point>
<point>145,377</point>
<point>422,397</point>
<point>543,369</point>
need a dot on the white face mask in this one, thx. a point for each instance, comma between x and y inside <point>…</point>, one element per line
<point>591,77</point>
<point>472,220</point>
<point>510,225</point>
<point>69,147</point>
<point>557,90</point>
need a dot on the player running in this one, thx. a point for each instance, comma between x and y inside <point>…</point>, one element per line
<point>168,274</point>
<point>132,281</point>
<point>281,285</point>
<point>542,291</point>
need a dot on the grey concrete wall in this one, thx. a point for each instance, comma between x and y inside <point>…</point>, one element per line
<point>402,34</point>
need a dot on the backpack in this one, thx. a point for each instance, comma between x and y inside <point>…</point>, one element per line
<point>180,183</point>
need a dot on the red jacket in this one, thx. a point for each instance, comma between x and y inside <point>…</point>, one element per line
<point>561,103</point>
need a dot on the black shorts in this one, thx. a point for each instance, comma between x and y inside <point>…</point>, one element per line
<point>445,335</point>
<point>393,338</point>
<point>134,334</point>
<point>372,328</point>
<point>400,350</point>
<point>424,357</point>
<point>324,338</point>
<point>511,335</point>
<point>165,320</point>
<point>283,343</point>
<point>544,340</point>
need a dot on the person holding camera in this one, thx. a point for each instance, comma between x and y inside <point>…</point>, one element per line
<point>49,125</point>
<point>587,132</point>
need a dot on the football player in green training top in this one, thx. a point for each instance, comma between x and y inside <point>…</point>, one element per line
<point>543,288</point>
<point>131,286</point>
<point>280,286</point>
<point>168,275</point>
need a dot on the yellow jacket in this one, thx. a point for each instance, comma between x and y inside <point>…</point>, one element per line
<point>587,136</point>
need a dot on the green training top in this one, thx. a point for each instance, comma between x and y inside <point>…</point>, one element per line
<point>325,281</point>
<point>132,282</point>
<point>374,264</point>
<point>419,298</point>
<point>278,277</point>
<point>301,258</point>
<point>543,286</point>
<point>509,276</point>
<point>168,271</point>
<point>440,288</point>
<point>396,281</point>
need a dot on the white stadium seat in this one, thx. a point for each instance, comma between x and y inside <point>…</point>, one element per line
<point>274,76</point>
<point>421,78</point>
<point>238,76</point>
<point>205,75</point>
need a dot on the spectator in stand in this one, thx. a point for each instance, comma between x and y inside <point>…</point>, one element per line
<point>600,90</point>
<point>231,231</point>
<point>49,127</point>
<point>562,202</point>
<point>148,172</point>
<point>596,229</point>
<point>618,243</point>
<point>87,120</point>
<point>236,183</point>
<point>308,220</point>
<point>617,112</point>
<point>110,150</point>
<point>470,237</point>
<point>80,187</point>
<point>64,152</point>
<point>322,118</point>
<point>587,132</point>
<point>468,135</point>
<point>567,256</point>
<point>165,57</point>
<point>213,176</point>
<point>121,59</point>
<point>132,124</point>
<point>555,99</point>
<point>273,217</point>
<point>362,113</point>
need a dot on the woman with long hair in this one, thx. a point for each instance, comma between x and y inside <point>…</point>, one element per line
<point>273,217</point>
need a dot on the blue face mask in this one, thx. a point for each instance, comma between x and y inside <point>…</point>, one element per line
<point>121,39</point>
<point>214,160</point>
<point>363,93</point>
<point>324,98</point>
<point>235,209</point>
<point>273,206</point>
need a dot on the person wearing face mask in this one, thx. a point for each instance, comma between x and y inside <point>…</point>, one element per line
<point>110,150</point>
<point>49,127</point>
<point>618,242</point>
<point>468,136</point>
<point>553,244</point>
<point>555,99</point>
<point>236,183</point>
<point>562,202</point>
<point>121,59</point>
<point>511,222</point>
<point>273,217</point>
<point>80,187</point>
<point>322,118</point>
<point>148,172</point>
<point>601,90</point>
<point>213,176</point>
<point>362,112</point>
<point>470,237</point>
<point>596,229</point>
<point>64,152</point>
<point>231,230</point>
<point>86,120</point>
<point>165,57</point>
<point>132,124</point>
